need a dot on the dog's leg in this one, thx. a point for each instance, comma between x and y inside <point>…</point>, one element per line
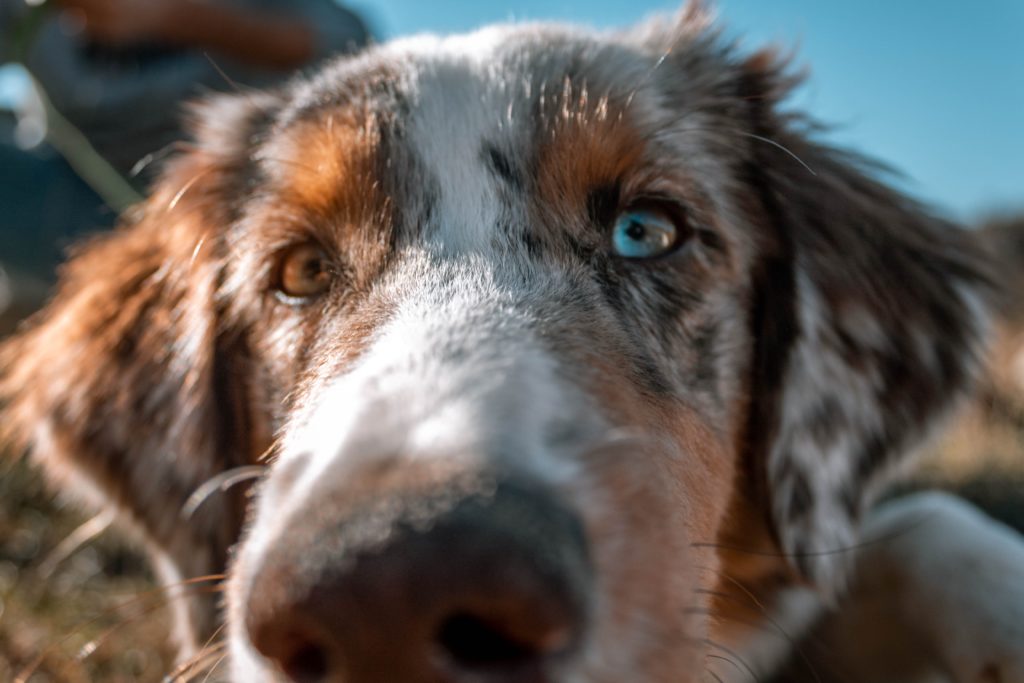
<point>938,595</point>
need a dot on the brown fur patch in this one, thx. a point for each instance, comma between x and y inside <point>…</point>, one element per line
<point>331,165</point>
<point>586,144</point>
<point>328,184</point>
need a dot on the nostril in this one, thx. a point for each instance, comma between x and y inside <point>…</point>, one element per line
<point>301,657</point>
<point>307,664</point>
<point>472,643</point>
<point>477,643</point>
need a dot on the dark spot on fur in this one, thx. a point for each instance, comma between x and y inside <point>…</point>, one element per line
<point>650,376</point>
<point>785,468</point>
<point>871,456</point>
<point>850,499</point>
<point>705,349</point>
<point>849,350</point>
<point>826,420</point>
<point>949,358</point>
<point>801,498</point>
<point>801,556</point>
<point>501,166</point>
<point>531,242</point>
<point>603,204</point>
<point>413,226</point>
<point>586,253</point>
<point>611,288</point>
<point>673,298</point>
<point>774,327</point>
<point>711,239</point>
<point>704,338</point>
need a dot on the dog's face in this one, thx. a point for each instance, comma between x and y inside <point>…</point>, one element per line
<point>491,271</point>
<point>527,326</point>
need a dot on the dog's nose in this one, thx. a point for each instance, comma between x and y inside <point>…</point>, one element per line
<point>489,589</point>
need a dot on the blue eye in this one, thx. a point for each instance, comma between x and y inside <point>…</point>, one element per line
<point>643,234</point>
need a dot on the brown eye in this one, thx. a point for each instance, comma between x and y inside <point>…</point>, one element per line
<point>304,272</point>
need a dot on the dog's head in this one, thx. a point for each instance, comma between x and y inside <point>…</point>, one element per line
<point>539,333</point>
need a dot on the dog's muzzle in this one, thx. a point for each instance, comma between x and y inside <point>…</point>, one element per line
<point>483,583</point>
<point>420,525</point>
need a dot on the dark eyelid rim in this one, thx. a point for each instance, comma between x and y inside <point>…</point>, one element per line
<point>606,203</point>
<point>674,209</point>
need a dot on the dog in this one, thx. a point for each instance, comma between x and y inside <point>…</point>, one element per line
<point>557,356</point>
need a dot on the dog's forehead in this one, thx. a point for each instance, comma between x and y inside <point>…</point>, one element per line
<point>454,129</point>
<point>494,77</point>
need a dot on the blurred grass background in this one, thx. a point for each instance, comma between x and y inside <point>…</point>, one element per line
<point>81,619</point>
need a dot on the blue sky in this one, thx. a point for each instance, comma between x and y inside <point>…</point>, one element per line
<point>935,88</point>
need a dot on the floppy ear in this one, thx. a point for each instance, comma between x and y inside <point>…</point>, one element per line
<point>123,388</point>
<point>869,314</point>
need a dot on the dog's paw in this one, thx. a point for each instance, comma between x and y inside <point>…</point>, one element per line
<point>955,578</point>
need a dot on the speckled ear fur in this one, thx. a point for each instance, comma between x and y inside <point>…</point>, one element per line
<point>118,387</point>
<point>870,314</point>
<point>867,312</point>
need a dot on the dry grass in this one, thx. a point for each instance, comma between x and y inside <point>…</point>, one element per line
<point>86,618</point>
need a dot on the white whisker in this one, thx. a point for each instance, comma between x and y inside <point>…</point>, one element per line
<point>221,482</point>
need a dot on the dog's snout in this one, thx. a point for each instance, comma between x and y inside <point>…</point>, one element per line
<point>487,587</point>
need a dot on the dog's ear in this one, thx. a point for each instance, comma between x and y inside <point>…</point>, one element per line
<point>869,314</point>
<point>123,387</point>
